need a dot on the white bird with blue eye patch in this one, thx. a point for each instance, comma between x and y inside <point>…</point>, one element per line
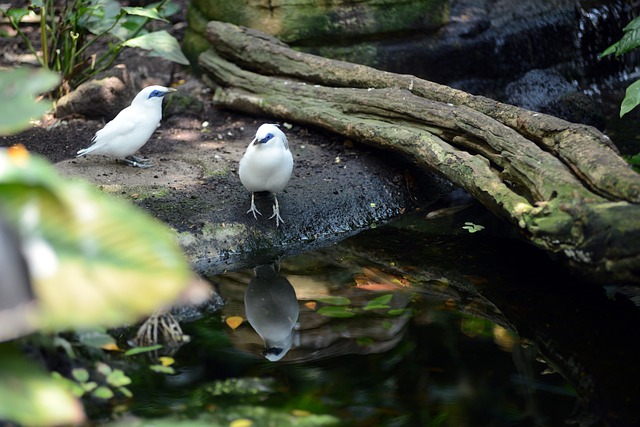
<point>131,128</point>
<point>266,166</point>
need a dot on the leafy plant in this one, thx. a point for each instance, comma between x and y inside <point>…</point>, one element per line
<point>93,261</point>
<point>69,29</point>
<point>629,41</point>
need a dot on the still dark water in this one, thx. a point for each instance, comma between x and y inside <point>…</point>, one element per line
<point>416,323</point>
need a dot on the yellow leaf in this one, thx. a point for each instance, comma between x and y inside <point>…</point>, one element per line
<point>234,321</point>
<point>18,154</point>
<point>241,422</point>
<point>111,347</point>
<point>300,413</point>
<point>166,360</point>
<point>311,305</point>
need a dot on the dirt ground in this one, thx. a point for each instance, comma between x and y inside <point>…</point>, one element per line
<point>337,187</point>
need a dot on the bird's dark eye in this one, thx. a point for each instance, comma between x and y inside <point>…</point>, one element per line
<point>268,137</point>
<point>154,93</point>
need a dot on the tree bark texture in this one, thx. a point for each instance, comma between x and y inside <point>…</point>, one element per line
<point>562,184</point>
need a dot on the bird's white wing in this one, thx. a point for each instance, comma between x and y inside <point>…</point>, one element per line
<point>122,124</point>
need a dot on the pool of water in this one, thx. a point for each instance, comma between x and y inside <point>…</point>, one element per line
<point>420,322</point>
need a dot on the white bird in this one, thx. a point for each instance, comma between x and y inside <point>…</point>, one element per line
<point>271,307</point>
<point>131,128</point>
<point>266,166</point>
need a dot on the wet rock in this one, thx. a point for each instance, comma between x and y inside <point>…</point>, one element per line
<point>548,91</point>
<point>336,190</point>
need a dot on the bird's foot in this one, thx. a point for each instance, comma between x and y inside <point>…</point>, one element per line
<point>276,212</point>
<point>253,208</point>
<point>138,162</point>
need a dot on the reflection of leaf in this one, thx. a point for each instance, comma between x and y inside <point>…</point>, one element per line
<point>335,300</point>
<point>95,260</point>
<point>30,396</point>
<point>378,303</point>
<point>336,311</point>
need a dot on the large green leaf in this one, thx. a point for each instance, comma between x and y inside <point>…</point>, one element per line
<point>30,396</point>
<point>631,99</point>
<point>18,90</point>
<point>150,13</point>
<point>629,41</point>
<point>160,43</point>
<point>94,259</point>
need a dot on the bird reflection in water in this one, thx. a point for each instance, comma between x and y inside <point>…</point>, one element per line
<point>272,310</point>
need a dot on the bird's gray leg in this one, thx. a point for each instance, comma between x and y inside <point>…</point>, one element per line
<point>137,162</point>
<point>276,212</point>
<point>253,209</point>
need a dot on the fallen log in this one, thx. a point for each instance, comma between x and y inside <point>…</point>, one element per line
<point>562,184</point>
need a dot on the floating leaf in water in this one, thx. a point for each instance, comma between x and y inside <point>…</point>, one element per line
<point>162,369</point>
<point>166,360</point>
<point>233,321</point>
<point>241,422</point>
<point>381,302</point>
<point>139,350</point>
<point>472,228</point>
<point>336,311</point>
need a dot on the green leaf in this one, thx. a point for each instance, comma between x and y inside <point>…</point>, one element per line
<point>16,14</point>
<point>103,368</point>
<point>629,41</point>
<point>162,369</point>
<point>631,98</point>
<point>18,90</point>
<point>334,300</point>
<point>95,260</point>
<point>117,378</point>
<point>472,228</point>
<point>80,375</point>
<point>103,392</point>
<point>150,13</point>
<point>160,43</point>
<point>139,350</point>
<point>336,311</point>
<point>95,339</point>
<point>31,396</point>
<point>378,303</point>
<point>126,392</point>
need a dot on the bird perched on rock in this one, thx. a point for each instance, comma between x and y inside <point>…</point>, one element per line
<point>131,128</point>
<point>266,166</point>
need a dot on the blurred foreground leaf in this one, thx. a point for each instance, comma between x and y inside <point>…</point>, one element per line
<point>94,260</point>
<point>18,89</point>
<point>30,396</point>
